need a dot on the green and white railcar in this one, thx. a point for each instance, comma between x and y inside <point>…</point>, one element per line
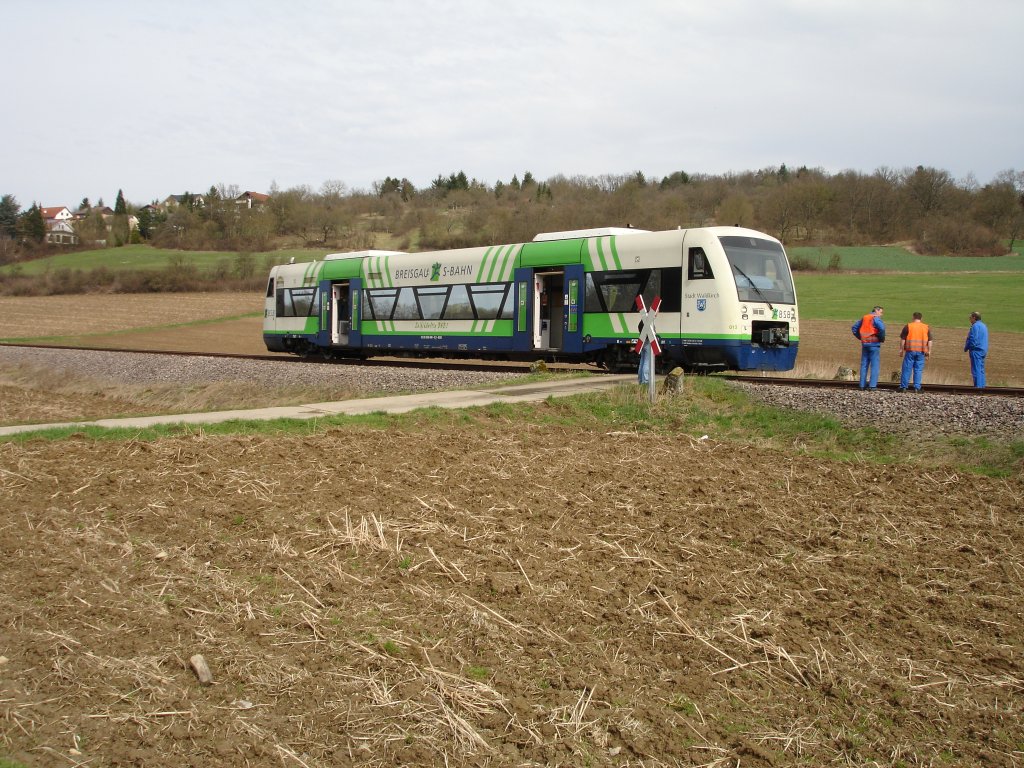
<point>727,300</point>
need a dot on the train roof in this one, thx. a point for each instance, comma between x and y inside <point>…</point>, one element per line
<point>362,254</point>
<point>596,232</point>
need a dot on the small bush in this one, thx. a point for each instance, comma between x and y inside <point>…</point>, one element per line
<point>948,236</point>
<point>802,264</point>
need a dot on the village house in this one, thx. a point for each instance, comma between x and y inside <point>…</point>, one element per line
<point>173,201</point>
<point>60,232</point>
<point>250,200</point>
<point>59,229</point>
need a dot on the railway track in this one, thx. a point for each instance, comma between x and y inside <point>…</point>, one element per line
<point>486,366</point>
<point>939,389</point>
<point>504,366</point>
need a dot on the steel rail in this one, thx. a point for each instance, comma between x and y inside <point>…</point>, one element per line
<point>471,364</point>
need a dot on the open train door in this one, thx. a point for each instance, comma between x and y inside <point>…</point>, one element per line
<point>522,325</point>
<point>572,300</point>
<point>548,315</point>
<point>341,314</point>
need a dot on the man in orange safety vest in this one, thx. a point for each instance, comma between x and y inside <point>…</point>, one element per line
<point>915,348</point>
<point>871,331</point>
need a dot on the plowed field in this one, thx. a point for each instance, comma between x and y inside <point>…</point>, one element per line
<point>494,593</point>
<point>504,589</point>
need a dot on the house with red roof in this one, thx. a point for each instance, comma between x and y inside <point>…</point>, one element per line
<point>57,213</point>
<point>252,200</point>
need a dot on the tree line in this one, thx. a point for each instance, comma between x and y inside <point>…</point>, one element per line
<point>923,206</point>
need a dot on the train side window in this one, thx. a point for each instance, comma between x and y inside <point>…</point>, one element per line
<point>381,302</point>
<point>489,300</point>
<point>302,301</point>
<point>459,307</point>
<point>615,291</point>
<point>432,300</point>
<point>670,289</point>
<point>591,298</point>
<point>406,307</point>
<point>698,267</point>
<point>298,302</point>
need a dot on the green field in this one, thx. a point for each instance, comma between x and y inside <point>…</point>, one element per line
<point>147,257</point>
<point>892,258</point>
<point>945,289</point>
<point>944,299</point>
<point>885,258</point>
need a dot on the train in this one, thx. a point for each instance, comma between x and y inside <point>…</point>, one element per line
<point>727,301</point>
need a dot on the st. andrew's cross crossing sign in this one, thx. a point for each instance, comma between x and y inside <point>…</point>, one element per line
<point>646,329</point>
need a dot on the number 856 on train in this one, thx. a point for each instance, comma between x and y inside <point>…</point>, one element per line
<point>727,300</point>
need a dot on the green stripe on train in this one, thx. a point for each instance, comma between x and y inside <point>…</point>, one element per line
<point>600,254</point>
<point>551,253</point>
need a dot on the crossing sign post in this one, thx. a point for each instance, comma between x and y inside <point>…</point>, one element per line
<point>650,337</point>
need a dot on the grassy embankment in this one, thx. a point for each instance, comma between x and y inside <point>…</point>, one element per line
<point>710,408</point>
<point>146,257</point>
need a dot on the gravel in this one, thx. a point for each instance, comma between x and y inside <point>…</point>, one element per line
<point>135,368</point>
<point>887,410</point>
<point>907,412</point>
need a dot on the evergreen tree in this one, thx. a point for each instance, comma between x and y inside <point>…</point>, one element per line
<point>33,228</point>
<point>675,179</point>
<point>145,223</point>
<point>85,205</point>
<point>119,207</point>
<point>9,216</point>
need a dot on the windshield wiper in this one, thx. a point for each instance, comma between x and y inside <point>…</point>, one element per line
<point>752,285</point>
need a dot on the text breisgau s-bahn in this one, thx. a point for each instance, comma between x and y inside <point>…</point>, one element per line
<point>727,300</point>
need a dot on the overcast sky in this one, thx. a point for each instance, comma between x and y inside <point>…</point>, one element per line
<point>162,98</point>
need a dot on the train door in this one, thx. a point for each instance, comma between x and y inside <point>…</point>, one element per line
<point>548,310</point>
<point>341,314</point>
<point>522,335</point>
<point>355,336</point>
<point>573,282</point>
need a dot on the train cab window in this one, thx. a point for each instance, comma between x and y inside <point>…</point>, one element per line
<point>698,267</point>
<point>270,288</point>
<point>760,269</point>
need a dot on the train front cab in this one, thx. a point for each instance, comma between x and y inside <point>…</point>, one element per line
<point>292,308</point>
<point>739,302</point>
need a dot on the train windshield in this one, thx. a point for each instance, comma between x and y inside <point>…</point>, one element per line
<point>760,268</point>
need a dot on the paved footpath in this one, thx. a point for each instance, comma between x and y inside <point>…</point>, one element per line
<point>463,398</point>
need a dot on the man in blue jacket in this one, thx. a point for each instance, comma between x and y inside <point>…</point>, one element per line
<point>977,347</point>
<point>871,331</point>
